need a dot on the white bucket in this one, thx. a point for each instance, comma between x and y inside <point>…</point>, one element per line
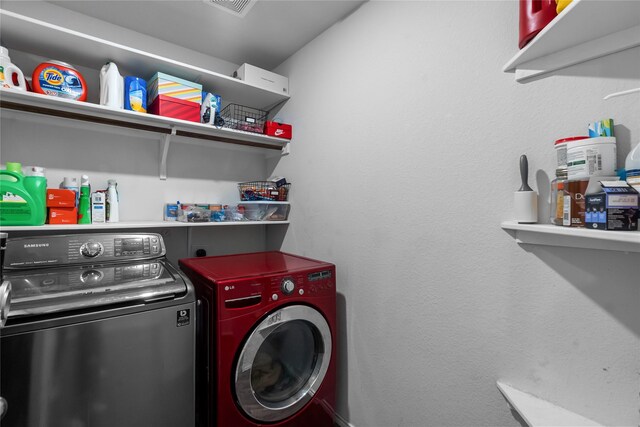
<point>591,157</point>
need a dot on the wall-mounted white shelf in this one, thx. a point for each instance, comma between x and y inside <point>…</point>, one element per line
<point>540,413</point>
<point>552,235</point>
<point>585,30</point>
<point>136,225</point>
<point>165,127</point>
<point>261,202</point>
<point>52,41</point>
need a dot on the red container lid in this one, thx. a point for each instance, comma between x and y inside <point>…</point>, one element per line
<point>571,138</point>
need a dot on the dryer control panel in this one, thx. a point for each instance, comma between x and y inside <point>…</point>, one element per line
<point>244,293</point>
<point>301,284</point>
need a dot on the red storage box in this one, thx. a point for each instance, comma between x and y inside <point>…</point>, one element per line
<point>59,198</point>
<point>63,215</point>
<point>176,108</point>
<point>534,16</point>
<point>280,130</point>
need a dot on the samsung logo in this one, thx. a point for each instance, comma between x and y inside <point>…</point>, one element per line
<point>36,245</point>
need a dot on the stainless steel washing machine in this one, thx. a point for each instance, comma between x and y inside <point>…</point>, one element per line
<point>100,333</point>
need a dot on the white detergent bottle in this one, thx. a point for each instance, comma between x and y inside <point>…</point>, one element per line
<point>632,167</point>
<point>7,72</point>
<point>632,162</point>
<point>111,86</point>
<point>113,202</point>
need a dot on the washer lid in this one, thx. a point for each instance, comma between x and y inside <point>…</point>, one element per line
<point>47,291</point>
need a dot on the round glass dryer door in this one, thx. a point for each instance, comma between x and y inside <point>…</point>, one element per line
<point>283,363</point>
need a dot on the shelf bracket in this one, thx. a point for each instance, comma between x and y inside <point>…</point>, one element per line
<point>164,151</point>
<point>286,149</point>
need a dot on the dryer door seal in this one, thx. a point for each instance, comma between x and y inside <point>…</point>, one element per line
<point>283,363</point>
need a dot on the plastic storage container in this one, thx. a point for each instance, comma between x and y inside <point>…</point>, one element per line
<point>591,157</point>
<point>561,149</point>
<point>265,211</point>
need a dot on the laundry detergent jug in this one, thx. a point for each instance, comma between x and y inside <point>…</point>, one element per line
<point>534,16</point>
<point>10,76</point>
<point>22,199</point>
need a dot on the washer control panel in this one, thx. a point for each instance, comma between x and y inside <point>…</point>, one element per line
<point>45,251</point>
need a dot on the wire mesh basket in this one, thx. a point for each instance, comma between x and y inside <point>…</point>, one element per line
<point>263,190</point>
<point>244,118</point>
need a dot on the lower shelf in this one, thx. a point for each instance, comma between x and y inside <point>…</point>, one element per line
<point>137,225</point>
<point>552,235</point>
<point>538,412</point>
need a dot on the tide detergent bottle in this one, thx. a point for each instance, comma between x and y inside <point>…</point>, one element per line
<point>22,199</point>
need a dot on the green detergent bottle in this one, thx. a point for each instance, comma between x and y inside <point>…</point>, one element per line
<point>22,199</point>
<point>84,205</point>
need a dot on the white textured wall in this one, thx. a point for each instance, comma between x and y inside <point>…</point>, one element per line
<point>406,143</point>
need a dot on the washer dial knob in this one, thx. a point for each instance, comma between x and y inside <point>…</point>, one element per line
<point>288,286</point>
<point>91,277</point>
<point>91,249</point>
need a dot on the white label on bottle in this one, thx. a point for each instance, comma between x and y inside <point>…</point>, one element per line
<point>566,211</point>
<point>9,197</point>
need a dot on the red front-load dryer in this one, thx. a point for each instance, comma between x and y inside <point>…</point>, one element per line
<point>268,340</point>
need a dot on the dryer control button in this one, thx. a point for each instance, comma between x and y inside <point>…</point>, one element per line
<point>301,291</point>
<point>274,297</point>
<point>287,286</point>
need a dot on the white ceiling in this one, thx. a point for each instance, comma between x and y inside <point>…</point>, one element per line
<point>271,31</point>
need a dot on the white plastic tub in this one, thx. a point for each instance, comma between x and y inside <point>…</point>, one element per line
<point>591,157</point>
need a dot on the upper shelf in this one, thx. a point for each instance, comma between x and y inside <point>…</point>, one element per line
<point>88,112</point>
<point>553,235</point>
<point>52,41</point>
<point>585,30</point>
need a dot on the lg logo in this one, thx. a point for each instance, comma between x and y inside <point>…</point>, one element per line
<point>275,318</point>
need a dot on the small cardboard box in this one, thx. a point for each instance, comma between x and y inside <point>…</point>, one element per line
<point>63,215</point>
<point>174,87</point>
<point>98,207</point>
<point>59,198</point>
<point>262,78</point>
<point>613,208</point>
<point>177,108</point>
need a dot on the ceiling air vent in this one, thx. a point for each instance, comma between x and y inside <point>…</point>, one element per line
<point>235,7</point>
